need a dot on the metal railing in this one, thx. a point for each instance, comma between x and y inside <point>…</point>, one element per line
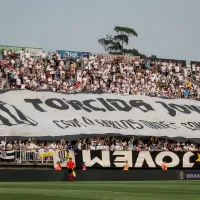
<point>24,156</point>
<point>34,156</point>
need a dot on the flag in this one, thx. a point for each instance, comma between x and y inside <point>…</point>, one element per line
<point>7,156</point>
<point>74,173</point>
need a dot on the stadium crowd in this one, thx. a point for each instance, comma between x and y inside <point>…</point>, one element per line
<point>62,74</point>
<point>100,143</point>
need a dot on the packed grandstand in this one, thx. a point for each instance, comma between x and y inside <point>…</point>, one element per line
<point>60,72</point>
<point>63,73</point>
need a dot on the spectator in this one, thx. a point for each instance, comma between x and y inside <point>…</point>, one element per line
<point>84,166</point>
<point>62,74</point>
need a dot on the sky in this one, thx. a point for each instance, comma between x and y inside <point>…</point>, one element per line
<point>166,28</point>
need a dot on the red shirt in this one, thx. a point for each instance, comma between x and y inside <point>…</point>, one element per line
<point>70,165</point>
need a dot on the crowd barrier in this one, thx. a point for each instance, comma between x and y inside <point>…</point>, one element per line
<point>32,156</point>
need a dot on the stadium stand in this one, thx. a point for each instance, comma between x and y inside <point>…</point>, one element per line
<point>160,77</point>
<point>61,73</point>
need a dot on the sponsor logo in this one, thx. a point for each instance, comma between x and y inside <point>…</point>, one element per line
<point>181,175</point>
<point>193,176</point>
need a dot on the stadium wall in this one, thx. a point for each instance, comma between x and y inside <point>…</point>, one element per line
<point>88,175</point>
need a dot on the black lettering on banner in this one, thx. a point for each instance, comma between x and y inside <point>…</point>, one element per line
<point>149,124</point>
<point>171,111</point>
<point>193,108</point>
<point>128,123</point>
<point>165,125</point>
<point>145,107</point>
<point>68,123</point>
<point>59,124</point>
<point>106,105</point>
<point>138,125</point>
<point>189,125</point>
<point>88,121</point>
<point>115,103</point>
<point>180,108</point>
<point>77,105</point>
<point>131,124</point>
<point>106,123</point>
<point>171,125</point>
<point>9,113</point>
<point>124,122</point>
<point>121,125</point>
<point>112,123</point>
<point>197,124</point>
<point>88,104</point>
<point>60,104</point>
<point>159,125</point>
<point>73,123</point>
<point>35,103</point>
<point>99,122</point>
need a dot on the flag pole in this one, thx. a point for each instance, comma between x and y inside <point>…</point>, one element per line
<point>5,142</point>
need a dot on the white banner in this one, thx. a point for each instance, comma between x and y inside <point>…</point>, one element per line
<point>27,113</point>
<point>35,52</point>
<point>111,58</point>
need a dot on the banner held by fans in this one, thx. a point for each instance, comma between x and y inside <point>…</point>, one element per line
<point>27,113</point>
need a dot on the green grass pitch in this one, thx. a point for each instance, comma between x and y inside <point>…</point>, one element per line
<point>155,190</point>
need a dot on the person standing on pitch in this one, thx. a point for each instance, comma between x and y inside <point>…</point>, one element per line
<point>70,166</point>
<point>126,166</point>
<point>164,166</point>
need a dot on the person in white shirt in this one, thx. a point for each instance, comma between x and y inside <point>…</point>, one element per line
<point>43,55</point>
<point>177,69</point>
<point>9,145</point>
<point>99,147</point>
<point>27,55</point>
<point>92,147</point>
<point>193,68</point>
<point>53,145</point>
<point>186,147</point>
<point>2,145</point>
<point>192,147</point>
<point>18,83</point>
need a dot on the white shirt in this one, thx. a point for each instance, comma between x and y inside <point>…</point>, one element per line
<point>18,81</point>
<point>43,55</point>
<point>53,146</point>
<point>92,147</point>
<point>177,69</point>
<point>27,55</point>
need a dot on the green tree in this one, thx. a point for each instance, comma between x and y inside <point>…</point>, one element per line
<point>116,44</point>
<point>153,56</point>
